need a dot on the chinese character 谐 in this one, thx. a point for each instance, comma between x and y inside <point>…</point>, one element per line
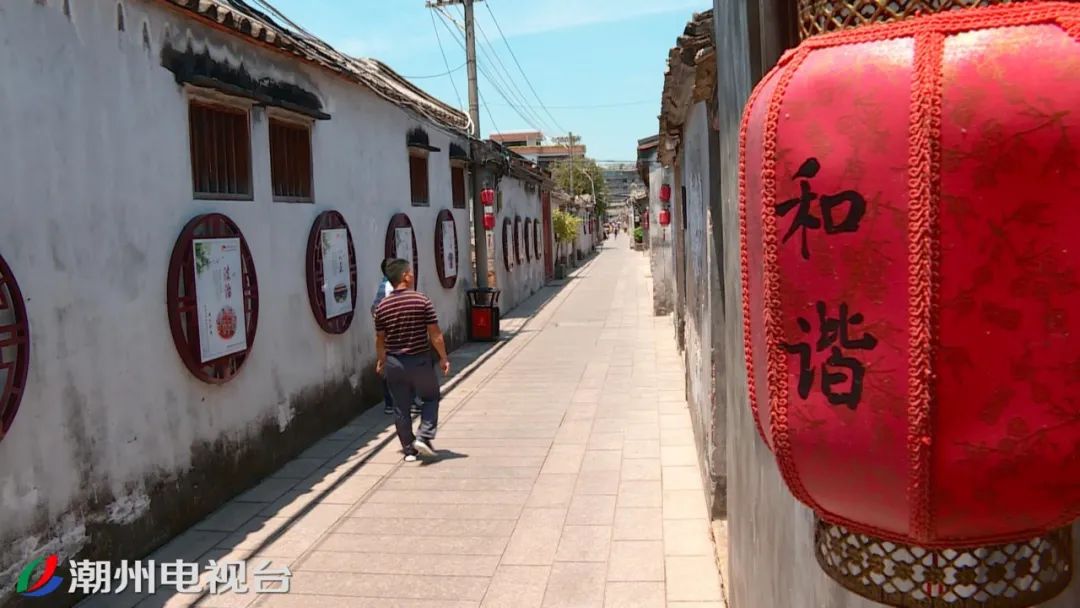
<point>834,335</point>
<point>89,577</point>
<point>854,206</point>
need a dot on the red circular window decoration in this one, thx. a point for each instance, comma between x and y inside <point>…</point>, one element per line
<point>400,220</point>
<point>339,323</point>
<point>183,306</point>
<point>517,240</point>
<point>536,239</point>
<point>528,229</point>
<point>506,243</point>
<point>446,264</point>
<point>14,347</point>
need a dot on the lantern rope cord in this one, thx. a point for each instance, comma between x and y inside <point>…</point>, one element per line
<point>777,372</point>
<point>924,191</point>
<point>744,256</point>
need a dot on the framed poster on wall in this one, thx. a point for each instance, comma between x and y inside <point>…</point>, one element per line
<point>331,272</point>
<point>219,295</point>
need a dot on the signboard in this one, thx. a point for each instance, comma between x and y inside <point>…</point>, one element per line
<point>337,287</point>
<point>219,297</point>
<point>449,249</point>
<point>403,244</point>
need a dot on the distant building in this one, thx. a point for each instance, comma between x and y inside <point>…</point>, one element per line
<point>531,145</point>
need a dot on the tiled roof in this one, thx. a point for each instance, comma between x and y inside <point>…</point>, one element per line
<point>690,77</point>
<point>240,18</point>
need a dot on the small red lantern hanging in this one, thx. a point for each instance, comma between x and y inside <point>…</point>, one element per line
<point>665,193</point>
<point>487,197</point>
<point>916,380</point>
<point>665,217</point>
<point>489,221</point>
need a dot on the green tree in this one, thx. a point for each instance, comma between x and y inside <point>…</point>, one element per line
<point>560,174</point>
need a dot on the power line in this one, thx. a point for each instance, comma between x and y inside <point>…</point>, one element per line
<point>510,79</point>
<point>447,73</point>
<point>503,87</point>
<point>603,105</point>
<point>516,62</point>
<point>445,61</point>
<point>491,81</point>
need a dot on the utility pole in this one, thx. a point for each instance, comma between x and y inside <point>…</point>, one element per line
<point>572,194</point>
<point>479,233</point>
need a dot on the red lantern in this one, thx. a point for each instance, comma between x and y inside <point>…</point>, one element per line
<point>665,217</point>
<point>489,221</point>
<point>487,196</point>
<point>911,291</point>
<point>665,193</point>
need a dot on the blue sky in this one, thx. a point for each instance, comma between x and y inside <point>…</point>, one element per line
<point>575,52</point>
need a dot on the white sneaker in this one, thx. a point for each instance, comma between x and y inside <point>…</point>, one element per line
<point>410,458</point>
<point>425,449</point>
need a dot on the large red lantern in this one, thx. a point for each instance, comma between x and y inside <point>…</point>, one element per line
<point>489,221</point>
<point>665,217</point>
<point>911,288</point>
<point>665,193</point>
<point>487,197</point>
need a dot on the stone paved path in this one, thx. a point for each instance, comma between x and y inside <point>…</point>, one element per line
<point>569,479</point>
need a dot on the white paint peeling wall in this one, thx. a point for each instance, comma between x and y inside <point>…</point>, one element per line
<point>526,278</point>
<point>661,243</point>
<point>96,172</point>
<point>700,260</point>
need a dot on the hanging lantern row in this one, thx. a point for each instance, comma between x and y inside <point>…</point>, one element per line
<point>911,325</point>
<point>665,217</point>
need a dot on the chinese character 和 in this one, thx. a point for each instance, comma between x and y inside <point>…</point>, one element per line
<point>850,202</point>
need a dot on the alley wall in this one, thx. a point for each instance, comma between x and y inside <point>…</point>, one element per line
<point>521,275</point>
<point>117,446</point>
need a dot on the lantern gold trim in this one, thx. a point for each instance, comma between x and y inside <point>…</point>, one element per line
<point>823,16</point>
<point>1012,575</point>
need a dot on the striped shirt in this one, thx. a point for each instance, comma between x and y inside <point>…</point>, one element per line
<point>404,317</point>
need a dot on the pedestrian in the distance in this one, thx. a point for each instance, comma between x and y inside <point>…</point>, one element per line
<point>385,289</point>
<point>407,330</point>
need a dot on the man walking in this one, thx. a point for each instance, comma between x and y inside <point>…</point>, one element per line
<point>406,331</point>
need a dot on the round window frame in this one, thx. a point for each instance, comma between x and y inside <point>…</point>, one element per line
<point>182,310</point>
<point>440,221</point>
<point>328,220</point>
<point>14,335</point>
<point>401,220</point>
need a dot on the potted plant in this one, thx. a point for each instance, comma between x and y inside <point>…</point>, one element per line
<point>565,227</point>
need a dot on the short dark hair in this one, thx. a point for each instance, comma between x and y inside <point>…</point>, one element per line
<point>385,263</point>
<point>396,269</point>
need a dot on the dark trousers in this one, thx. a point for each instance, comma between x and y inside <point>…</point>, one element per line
<point>388,399</point>
<point>409,377</point>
